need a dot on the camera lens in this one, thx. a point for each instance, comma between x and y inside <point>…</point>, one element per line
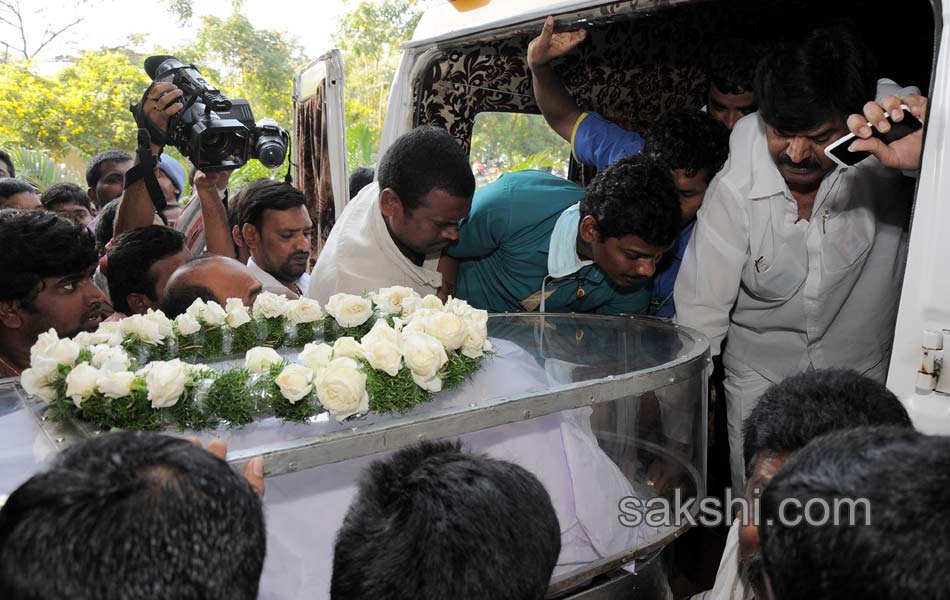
<point>270,153</point>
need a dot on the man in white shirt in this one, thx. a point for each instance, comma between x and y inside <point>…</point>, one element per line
<point>797,259</point>
<point>394,231</point>
<point>276,227</point>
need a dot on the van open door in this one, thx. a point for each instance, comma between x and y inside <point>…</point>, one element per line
<point>320,143</point>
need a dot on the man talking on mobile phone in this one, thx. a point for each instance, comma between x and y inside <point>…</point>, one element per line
<point>796,261</point>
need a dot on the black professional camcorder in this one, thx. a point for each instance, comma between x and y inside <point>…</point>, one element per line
<point>216,133</point>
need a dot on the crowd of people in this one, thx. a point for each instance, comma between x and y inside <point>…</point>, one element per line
<point>730,220</point>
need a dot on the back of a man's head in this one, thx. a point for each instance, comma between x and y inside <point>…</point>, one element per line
<point>105,224</point>
<point>130,261</point>
<point>425,159</point>
<point>802,407</point>
<point>690,140</point>
<point>634,196</point>
<point>801,85</point>
<point>887,491</point>
<point>731,65</point>
<point>130,516</point>
<point>434,522</point>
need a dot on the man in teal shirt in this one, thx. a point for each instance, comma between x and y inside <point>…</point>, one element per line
<point>533,241</point>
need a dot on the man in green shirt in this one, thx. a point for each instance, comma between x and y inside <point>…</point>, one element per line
<point>533,241</point>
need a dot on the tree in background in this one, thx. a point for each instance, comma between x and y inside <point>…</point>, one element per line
<point>369,38</point>
<point>84,108</point>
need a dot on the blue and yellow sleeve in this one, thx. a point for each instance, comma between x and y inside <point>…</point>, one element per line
<point>598,142</point>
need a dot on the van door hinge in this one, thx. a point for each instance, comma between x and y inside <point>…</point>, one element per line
<point>932,374</point>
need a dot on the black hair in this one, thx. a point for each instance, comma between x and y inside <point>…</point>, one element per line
<point>829,75</point>
<point>894,483</point>
<point>105,224</point>
<point>634,196</point>
<point>690,140</point>
<point>9,162</point>
<point>133,515</point>
<point>425,159</point>
<point>433,521</point>
<point>129,262</point>
<point>360,178</point>
<point>62,193</point>
<point>731,66</point>
<point>802,407</point>
<point>94,168</point>
<point>266,194</point>
<point>36,245</point>
<point>11,185</point>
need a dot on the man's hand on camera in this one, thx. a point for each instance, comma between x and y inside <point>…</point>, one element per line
<point>214,181</point>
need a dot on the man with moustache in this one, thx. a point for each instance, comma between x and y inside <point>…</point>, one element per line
<point>797,260</point>
<point>276,227</point>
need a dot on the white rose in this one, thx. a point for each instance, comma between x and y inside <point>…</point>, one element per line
<point>431,302</point>
<point>115,384</point>
<point>196,309</point>
<point>81,383</point>
<point>260,359</point>
<point>457,307</point>
<point>43,343</point>
<point>381,332</point>
<point>315,356</point>
<point>341,388</point>
<point>417,324</point>
<point>349,310</point>
<point>424,356</point>
<point>304,310</point>
<point>60,352</point>
<point>165,381</point>
<point>110,333</point>
<point>34,382</point>
<point>234,304</point>
<point>295,382</point>
<point>163,322</point>
<point>187,324</point>
<point>390,299</point>
<point>347,347</point>
<point>214,314</point>
<point>383,355</point>
<point>476,339</point>
<point>238,316</point>
<point>270,306</point>
<point>410,304</point>
<point>146,330</point>
<point>110,358</point>
<point>447,328</point>
<point>479,317</point>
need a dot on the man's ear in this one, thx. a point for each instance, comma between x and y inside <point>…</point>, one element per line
<point>237,237</point>
<point>91,192</point>
<point>389,203</point>
<point>252,238</point>
<point>588,230</point>
<point>139,303</point>
<point>10,314</point>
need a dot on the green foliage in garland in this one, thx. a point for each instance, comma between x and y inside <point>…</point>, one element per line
<point>230,398</point>
<point>135,410</point>
<point>332,331</point>
<point>275,332</point>
<point>458,369</point>
<point>389,394</point>
<point>97,409</point>
<point>245,337</point>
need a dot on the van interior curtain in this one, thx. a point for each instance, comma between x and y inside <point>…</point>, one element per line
<point>313,167</point>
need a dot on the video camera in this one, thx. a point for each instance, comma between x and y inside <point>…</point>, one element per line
<point>216,133</point>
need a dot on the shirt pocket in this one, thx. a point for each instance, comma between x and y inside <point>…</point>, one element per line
<point>776,267</point>
<point>848,236</point>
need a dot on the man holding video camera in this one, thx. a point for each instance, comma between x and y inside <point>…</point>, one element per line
<point>798,260</point>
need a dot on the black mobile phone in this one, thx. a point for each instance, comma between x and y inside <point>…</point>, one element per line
<point>839,152</point>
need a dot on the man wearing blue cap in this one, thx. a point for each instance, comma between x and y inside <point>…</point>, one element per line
<point>171,178</point>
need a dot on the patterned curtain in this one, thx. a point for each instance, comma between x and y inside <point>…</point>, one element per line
<point>313,167</point>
